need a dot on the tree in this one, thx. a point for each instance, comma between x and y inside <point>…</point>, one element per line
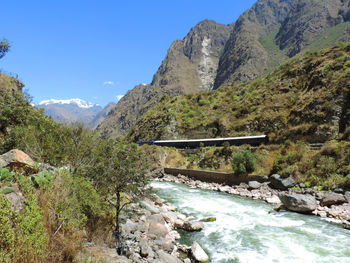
<point>4,47</point>
<point>119,173</point>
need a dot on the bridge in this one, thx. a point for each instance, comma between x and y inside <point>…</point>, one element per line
<point>196,143</point>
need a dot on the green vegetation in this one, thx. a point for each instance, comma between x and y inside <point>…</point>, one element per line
<point>61,207</point>
<point>120,176</point>
<point>243,162</point>
<point>4,47</point>
<point>276,55</point>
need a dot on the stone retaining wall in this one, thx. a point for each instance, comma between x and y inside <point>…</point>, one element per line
<point>214,177</point>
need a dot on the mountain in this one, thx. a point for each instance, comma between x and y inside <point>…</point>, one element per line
<point>213,55</point>
<point>305,99</point>
<point>273,31</point>
<point>72,110</point>
<point>189,67</point>
<point>101,115</point>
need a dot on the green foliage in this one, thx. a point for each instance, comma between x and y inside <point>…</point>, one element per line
<point>44,179</point>
<point>7,190</point>
<point>119,173</point>
<point>4,47</point>
<point>6,175</point>
<point>77,201</point>
<point>243,162</point>
<point>23,236</point>
<point>7,231</point>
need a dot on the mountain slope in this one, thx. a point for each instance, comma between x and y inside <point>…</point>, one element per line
<point>307,98</point>
<point>274,30</point>
<point>101,115</point>
<point>189,67</point>
<point>68,111</point>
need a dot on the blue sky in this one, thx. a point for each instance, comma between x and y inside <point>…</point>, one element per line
<point>96,50</point>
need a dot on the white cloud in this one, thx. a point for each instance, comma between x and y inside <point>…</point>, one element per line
<point>109,83</point>
<point>119,97</point>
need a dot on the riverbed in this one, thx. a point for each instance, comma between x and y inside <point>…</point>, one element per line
<point>249,230</point>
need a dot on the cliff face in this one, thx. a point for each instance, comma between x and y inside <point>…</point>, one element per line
<point>189,67</point>
<point>274,30</point>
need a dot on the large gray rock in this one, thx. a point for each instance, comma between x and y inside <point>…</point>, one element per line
<point>167,258</point>
<point>192,226</point>
<point>277,182</point>
<point>298,202</point>
<point>198,253</point>
<point>333,199</point>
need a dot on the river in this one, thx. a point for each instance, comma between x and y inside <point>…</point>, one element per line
<point>249,230</point>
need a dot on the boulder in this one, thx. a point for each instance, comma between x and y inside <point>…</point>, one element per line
<point>277,182</point>
<point>145,249</point>
<point>198,253</point>
<point>165,257</point>
<point>253,185</point>
<point>157,227</point>
<point>298,202</point>
<point>333,199</point>
<point>17,159</point>
<point>192,226</point>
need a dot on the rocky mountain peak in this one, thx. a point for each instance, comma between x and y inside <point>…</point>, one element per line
<point>189,67</point>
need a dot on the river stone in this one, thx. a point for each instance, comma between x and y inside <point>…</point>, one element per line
<point>298,202</point>
<point>333,199</point>
<point>254,185</point>
<point>192,226</point>
<point>277,182</point>
<point>198,253</point>
<point>165,257</point>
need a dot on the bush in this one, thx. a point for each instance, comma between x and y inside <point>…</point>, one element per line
<point>44,179</point>
<point>6,175</point>
<point>243,162</point>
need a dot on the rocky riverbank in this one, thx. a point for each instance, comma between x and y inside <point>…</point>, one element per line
<point>334,206</point>
<point>149,235</point>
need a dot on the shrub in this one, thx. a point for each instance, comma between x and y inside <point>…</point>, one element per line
<point>6,175</point>
<point>44,179</point>
<point>243,162</point>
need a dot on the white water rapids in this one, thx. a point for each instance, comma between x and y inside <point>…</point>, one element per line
<point>247,231</point>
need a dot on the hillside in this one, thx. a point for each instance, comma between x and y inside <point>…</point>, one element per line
<point>305,99</point>
<point>189,67</point>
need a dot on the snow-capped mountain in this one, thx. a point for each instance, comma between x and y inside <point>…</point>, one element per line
<point>71,110</point>
<point>79,102</point>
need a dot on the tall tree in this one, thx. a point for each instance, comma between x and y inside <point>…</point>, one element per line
<point>119,173</point>
<point>4,47</point>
